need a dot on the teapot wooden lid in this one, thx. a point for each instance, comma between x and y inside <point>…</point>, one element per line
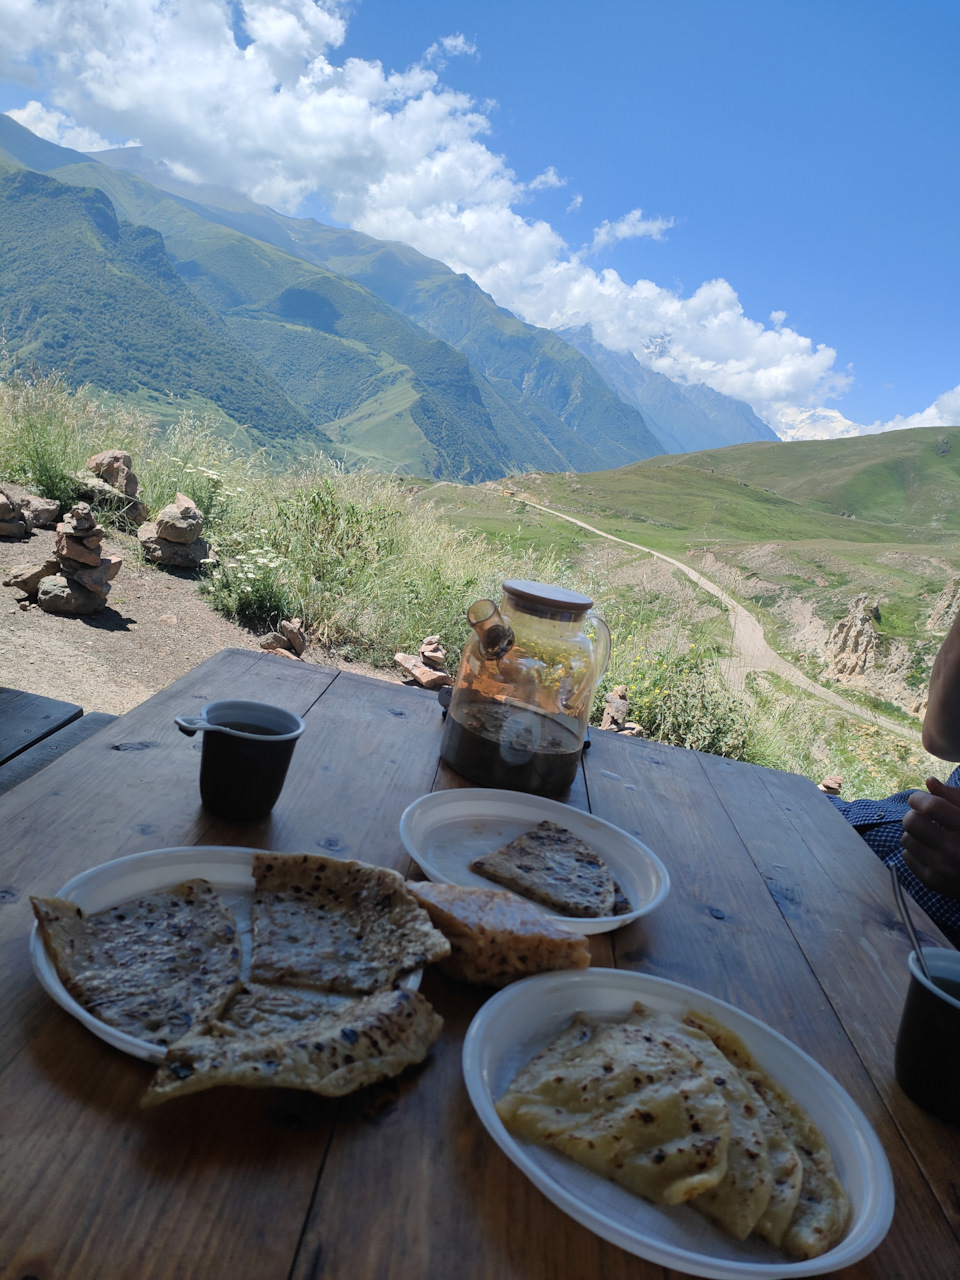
<point>546,600</point>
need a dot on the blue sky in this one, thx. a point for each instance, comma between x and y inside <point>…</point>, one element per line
<point>801,154</point>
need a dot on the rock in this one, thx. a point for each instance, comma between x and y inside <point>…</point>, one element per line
<point>945,607</point>
<point>131,510</point>
<point>27,577</point>
<point>79,521</point>
<point>74,549</point>
<point>9,507</point>
<point>57,595</point>
<point>273,641</point>
<point>177,555</point>
<point>180,521</point>
<point>111,565</point>
<point>94,580</point>
<point>40,513</point>
<point>831,786</point>
<point>432,653</point>
<point>421,673</point>
<point>284,653</point>
<point>115,468</point>
<point>292,632</point>
<point>852,647</point>
<point>13,529</point>
<point>616,709</point>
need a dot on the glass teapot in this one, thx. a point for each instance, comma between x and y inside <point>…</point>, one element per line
<point>521,702</point>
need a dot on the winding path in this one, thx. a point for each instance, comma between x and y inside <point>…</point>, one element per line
<point>751,652</point>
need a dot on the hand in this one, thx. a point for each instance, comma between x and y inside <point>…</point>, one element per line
<point>931,837</point>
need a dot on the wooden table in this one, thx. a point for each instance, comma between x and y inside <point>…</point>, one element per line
<point>776,906</point>
<point>28,718</point>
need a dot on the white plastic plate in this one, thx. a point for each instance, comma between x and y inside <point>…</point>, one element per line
<point>228,869</point>
<point>444,831</point>
<point>522,1019</point>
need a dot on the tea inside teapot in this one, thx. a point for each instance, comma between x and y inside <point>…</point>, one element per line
<point>521,702</point>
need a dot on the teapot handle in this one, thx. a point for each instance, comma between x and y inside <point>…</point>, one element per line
<point>603,643</point>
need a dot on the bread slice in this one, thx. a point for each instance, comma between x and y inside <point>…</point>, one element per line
<point>300,1039</point>
<point>495,937</point>
<point>552,866</point>
<point>336,925</point>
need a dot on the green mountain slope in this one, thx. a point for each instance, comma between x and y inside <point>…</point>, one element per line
<point>909,478</point>
<point>100,300</point>
<point>532,370</point>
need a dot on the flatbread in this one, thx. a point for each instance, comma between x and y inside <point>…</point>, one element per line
<point>823,1208</point>
<point>738,1202</point>
<point>552,866</point>
<point>628,1103</point>
<point>336,925</point>
<point>495,936</point>
<point>300,1039</point>
<point>154,967</point>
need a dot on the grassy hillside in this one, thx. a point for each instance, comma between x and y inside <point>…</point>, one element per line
<point>908,478</point>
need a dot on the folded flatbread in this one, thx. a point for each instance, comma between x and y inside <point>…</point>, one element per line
<point>628,1103</point>
<point>739,1201</point>
<point>300,1039</point>
<point>154,967</point>
<point>336,925</point>
<point>552,866</point>
<point>822,1207</point>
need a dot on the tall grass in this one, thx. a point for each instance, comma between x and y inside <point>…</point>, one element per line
<point>368,569</point>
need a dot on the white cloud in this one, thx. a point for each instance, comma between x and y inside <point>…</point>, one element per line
<point>629,227</point>
<point>399,155</point>
<point>58,128</point>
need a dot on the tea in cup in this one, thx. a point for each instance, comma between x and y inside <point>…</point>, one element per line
<point>247,748</point>
<point>928,1045</point>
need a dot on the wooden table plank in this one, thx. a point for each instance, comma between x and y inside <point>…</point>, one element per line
<point>28,718</point>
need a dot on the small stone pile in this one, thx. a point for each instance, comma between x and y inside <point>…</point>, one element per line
<point>173,539</point>
<point>426,668</point>
<point>615,711</point>
<point>114,483</point>
<point>20,516</point>
<point>288,642</point>
<point>83,582</point>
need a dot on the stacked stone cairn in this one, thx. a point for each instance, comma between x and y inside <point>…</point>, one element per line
<point>83,582</point>
<point>426,667</point>
<point>615,711</point>
<point>173,539</point>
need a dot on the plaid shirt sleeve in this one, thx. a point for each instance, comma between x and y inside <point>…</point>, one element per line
<point>880,823</point>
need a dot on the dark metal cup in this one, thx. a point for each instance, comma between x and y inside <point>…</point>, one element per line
<point>247,748</point>
<point>928,1045</point>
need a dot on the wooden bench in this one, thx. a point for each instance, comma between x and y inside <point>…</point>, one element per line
<point>36,730</point>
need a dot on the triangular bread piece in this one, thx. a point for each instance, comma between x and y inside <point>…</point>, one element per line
<point>552,866</point>
<point>337,925</point>
<point>154,967</point>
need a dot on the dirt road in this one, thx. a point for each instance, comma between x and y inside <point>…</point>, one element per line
<point>751,652</point>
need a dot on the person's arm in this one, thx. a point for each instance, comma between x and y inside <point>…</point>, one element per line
<point>931,837</point>
<point>941,723</point>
